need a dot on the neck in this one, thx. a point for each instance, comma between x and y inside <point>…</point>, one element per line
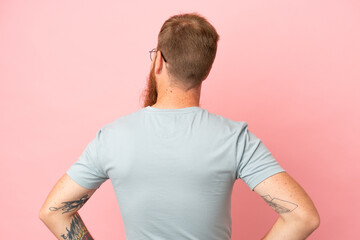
<point>173,98</point>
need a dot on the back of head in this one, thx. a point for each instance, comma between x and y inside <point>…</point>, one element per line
<point>189,44</point>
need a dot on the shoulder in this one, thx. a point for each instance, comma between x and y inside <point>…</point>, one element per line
<point>120,126</point>
<point>227,124</point>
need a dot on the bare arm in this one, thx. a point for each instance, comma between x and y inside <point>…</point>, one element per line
<point>298,217</point>
<point>60,210</point>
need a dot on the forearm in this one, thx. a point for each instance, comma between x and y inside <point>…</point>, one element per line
<point>283,230</point>
<point>70,227</point>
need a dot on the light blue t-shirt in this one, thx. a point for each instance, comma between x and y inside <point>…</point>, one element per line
<point>173,170</point>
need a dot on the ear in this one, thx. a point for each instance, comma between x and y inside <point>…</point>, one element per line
<point>158,63</point>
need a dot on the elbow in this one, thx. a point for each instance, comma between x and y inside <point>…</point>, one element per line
<point>313,220</point>
<point>43,214</point>
<point>48,216</point>
<point>310,220</point>
<point>307,221</point>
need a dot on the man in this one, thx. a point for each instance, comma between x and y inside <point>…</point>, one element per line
<point>172,163</point>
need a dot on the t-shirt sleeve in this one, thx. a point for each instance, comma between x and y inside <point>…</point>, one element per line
<point>88,170</point>
<point>254,161</point>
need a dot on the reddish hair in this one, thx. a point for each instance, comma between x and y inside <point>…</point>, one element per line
<point>189,43</point>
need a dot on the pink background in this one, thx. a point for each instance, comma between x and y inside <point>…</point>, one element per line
<point>291,69</point>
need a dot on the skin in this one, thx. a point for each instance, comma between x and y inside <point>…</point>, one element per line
<point>60,210</point>
<point>161,92</point>
<point>298,217</point>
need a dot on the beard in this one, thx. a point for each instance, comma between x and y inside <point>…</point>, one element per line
<point>150,93</point>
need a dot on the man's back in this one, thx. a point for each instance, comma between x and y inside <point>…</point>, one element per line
<point>172,163</point>
<point>173,170</point>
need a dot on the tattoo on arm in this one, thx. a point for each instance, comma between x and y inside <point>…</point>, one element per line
<point>77,230</point>
<point>71,205</point>
<point>280,206</point>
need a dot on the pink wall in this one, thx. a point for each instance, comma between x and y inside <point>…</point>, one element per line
<point>291,69</point>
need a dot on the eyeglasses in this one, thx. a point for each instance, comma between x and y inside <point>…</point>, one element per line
<point>152,53</point>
